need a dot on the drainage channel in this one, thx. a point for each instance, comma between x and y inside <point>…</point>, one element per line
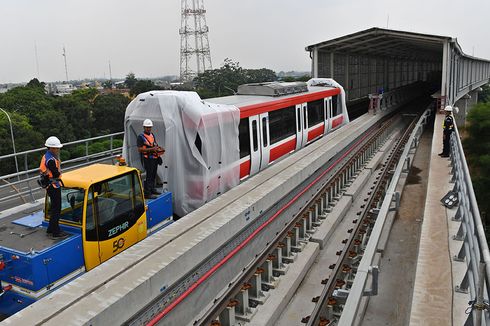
<point>242,298</point>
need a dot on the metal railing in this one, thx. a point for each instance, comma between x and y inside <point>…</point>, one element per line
<point>474,250</point>
<point>22,183</point>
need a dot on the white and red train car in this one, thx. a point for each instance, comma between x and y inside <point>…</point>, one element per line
<point>212,144</point>
<point>279,118</point>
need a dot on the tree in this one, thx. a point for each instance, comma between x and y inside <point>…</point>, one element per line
<point>107,84</point>
<point>77,110</point>
<point>26,100</point>
<point>25,136</point>
<point>484,96</point>
<point>477,148</point>
<point>130,80</point>
<point>225,80</point>
<point>259,75</point>
<point>35,83</point>
<point>142,86</point>
<point>108,113</point>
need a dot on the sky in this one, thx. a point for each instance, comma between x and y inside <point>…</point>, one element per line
<point>142,36</point>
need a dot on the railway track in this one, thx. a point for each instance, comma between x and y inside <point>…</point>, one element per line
<point>331,302</point>
<point>221,262</point>
<point>298,215</point>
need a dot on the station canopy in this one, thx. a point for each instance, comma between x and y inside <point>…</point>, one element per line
<point>387,43</point>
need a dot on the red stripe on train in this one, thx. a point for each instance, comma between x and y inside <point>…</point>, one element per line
<point>337,121</point>
<point>318,131</point>
<point>282,149</point>
<point>254,109</point>
<point>245,168</point>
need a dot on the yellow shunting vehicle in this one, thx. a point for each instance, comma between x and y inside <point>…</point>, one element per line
<point>104,212</point>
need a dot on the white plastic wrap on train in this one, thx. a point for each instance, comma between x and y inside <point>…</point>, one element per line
<point>200,141</point>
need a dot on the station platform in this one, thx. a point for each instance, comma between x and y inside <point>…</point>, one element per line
<point>418,274</point>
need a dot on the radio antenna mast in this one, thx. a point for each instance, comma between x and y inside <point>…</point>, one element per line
<point>37,59</point>
<point>66,67</point>
<point>195,53</point>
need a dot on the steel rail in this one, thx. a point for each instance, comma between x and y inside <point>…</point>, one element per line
<point>321,314</point>
<point>360,143</point>
<point>357,290</point>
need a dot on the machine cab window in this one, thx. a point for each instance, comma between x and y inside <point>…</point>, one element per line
<point>71,205</point>
<point>113,207</point>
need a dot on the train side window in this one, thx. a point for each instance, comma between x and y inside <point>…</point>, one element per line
<point>264,131</point>
<point>281,124</point>
<point>315,112</point>
<point>299,120</point>
<point>254,135</point>
<point>336,109</point>
<point>244,137</point>
<point>306,118</point>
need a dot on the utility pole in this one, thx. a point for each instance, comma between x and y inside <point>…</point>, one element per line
<point>66,67</point>
<point>110,71</point>
<point>195,53</point>
<point>37,60</point>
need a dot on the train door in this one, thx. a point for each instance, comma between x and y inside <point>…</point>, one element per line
<point>301,125</point>
<point>265,139</point>
<point>328,115</point>
<point>259,142</point>
<point>255,153</point>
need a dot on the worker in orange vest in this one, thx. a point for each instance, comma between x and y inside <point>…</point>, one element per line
<point>150,152</point>
<point>50,168</point>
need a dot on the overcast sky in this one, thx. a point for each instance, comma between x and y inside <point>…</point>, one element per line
<point>141,36</point>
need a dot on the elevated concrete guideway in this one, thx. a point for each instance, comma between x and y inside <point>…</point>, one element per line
<point>378,59</point>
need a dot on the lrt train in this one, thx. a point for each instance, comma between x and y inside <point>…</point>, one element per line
<point>213,144</point>
<point>274,122</point>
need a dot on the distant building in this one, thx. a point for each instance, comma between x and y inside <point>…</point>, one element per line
<point>59,89</point>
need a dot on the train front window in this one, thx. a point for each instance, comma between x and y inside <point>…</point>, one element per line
<point>71,205</point>
<point>118,204</point>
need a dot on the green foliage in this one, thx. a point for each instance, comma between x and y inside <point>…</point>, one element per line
<point>477,148</point>
<point>130,80</point>
<point>142,86</point>
<point>304,78</point>
<point>36,115</point>
<point>107,84</point>
<point>108,113</point>
<point>35,83</point>
<point>225,80</point>
<point>97,147</point>
<point>25,137</point>
<point>484,95</point>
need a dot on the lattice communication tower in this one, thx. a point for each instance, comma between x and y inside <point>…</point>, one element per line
<point>195,54</point>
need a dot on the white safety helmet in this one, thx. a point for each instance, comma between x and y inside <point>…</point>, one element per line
<point>53,142</point>
<point>448,108</point>
<point>147,123</point>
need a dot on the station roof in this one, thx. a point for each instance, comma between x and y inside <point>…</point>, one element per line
<point>387,43</point>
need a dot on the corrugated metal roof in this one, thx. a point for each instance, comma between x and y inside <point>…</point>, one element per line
<point>387,43</point>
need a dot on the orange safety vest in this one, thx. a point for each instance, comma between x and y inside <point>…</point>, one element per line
<point>43,167</point>
<point>149,142</point>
